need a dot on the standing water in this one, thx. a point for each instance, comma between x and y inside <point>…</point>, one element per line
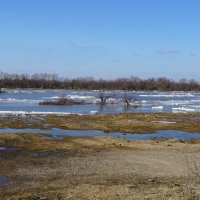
<point>28,101</point>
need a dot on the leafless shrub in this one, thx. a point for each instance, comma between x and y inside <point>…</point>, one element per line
<point>127,100</point>
<point>103,97</point>
<point>60,102</point>
<point>131,101</point>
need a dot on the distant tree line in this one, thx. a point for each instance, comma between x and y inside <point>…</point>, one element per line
<point>53,81</point>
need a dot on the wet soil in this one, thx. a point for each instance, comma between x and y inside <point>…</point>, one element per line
<point>98,168</point>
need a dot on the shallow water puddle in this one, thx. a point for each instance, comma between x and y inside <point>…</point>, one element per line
<point>196,118</point>
<point>57,133</point>
<point>3,180</point>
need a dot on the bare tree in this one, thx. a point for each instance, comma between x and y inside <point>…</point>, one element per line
<point>127,100</point>
<point>103,97</point>
<point>53,81</point>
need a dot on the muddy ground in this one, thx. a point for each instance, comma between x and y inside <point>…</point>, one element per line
<point>93,168</point>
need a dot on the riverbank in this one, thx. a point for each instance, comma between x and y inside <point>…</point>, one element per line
<point>98,168</point>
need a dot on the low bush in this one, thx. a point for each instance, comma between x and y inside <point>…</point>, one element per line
<point>60,102</point>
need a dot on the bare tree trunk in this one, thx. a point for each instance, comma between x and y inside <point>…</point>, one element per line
<point>103,97</point>
<point>126,102</point>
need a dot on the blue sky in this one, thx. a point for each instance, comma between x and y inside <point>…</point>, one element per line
<point>101,38</point>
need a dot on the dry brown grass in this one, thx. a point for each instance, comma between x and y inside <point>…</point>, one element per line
<point>100,167</point>
<point>126,122</point>
<point>95,168</point>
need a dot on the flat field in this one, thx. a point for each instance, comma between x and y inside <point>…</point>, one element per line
<point>39,166</point>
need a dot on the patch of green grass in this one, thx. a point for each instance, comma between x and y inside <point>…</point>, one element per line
<point>35,197</point>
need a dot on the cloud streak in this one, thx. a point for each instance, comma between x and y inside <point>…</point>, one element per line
<point>115,60</point>
<point>192,54</point>
<point>168,52</point>
<point>135,54</point>
<point>84,47</point>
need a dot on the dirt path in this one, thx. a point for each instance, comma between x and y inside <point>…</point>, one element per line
<point>99,168</point>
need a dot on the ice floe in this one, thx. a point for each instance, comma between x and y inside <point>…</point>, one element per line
<point>182,109</point>
<point>157,107</point>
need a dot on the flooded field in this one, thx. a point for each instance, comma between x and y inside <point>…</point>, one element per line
<point>57,133</point>
<point>97,168</point>
<point>26,101</point>
<point>79,151</point>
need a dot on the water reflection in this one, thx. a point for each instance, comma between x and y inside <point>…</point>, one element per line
<point>3,180</point>
<point>56,133</point>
